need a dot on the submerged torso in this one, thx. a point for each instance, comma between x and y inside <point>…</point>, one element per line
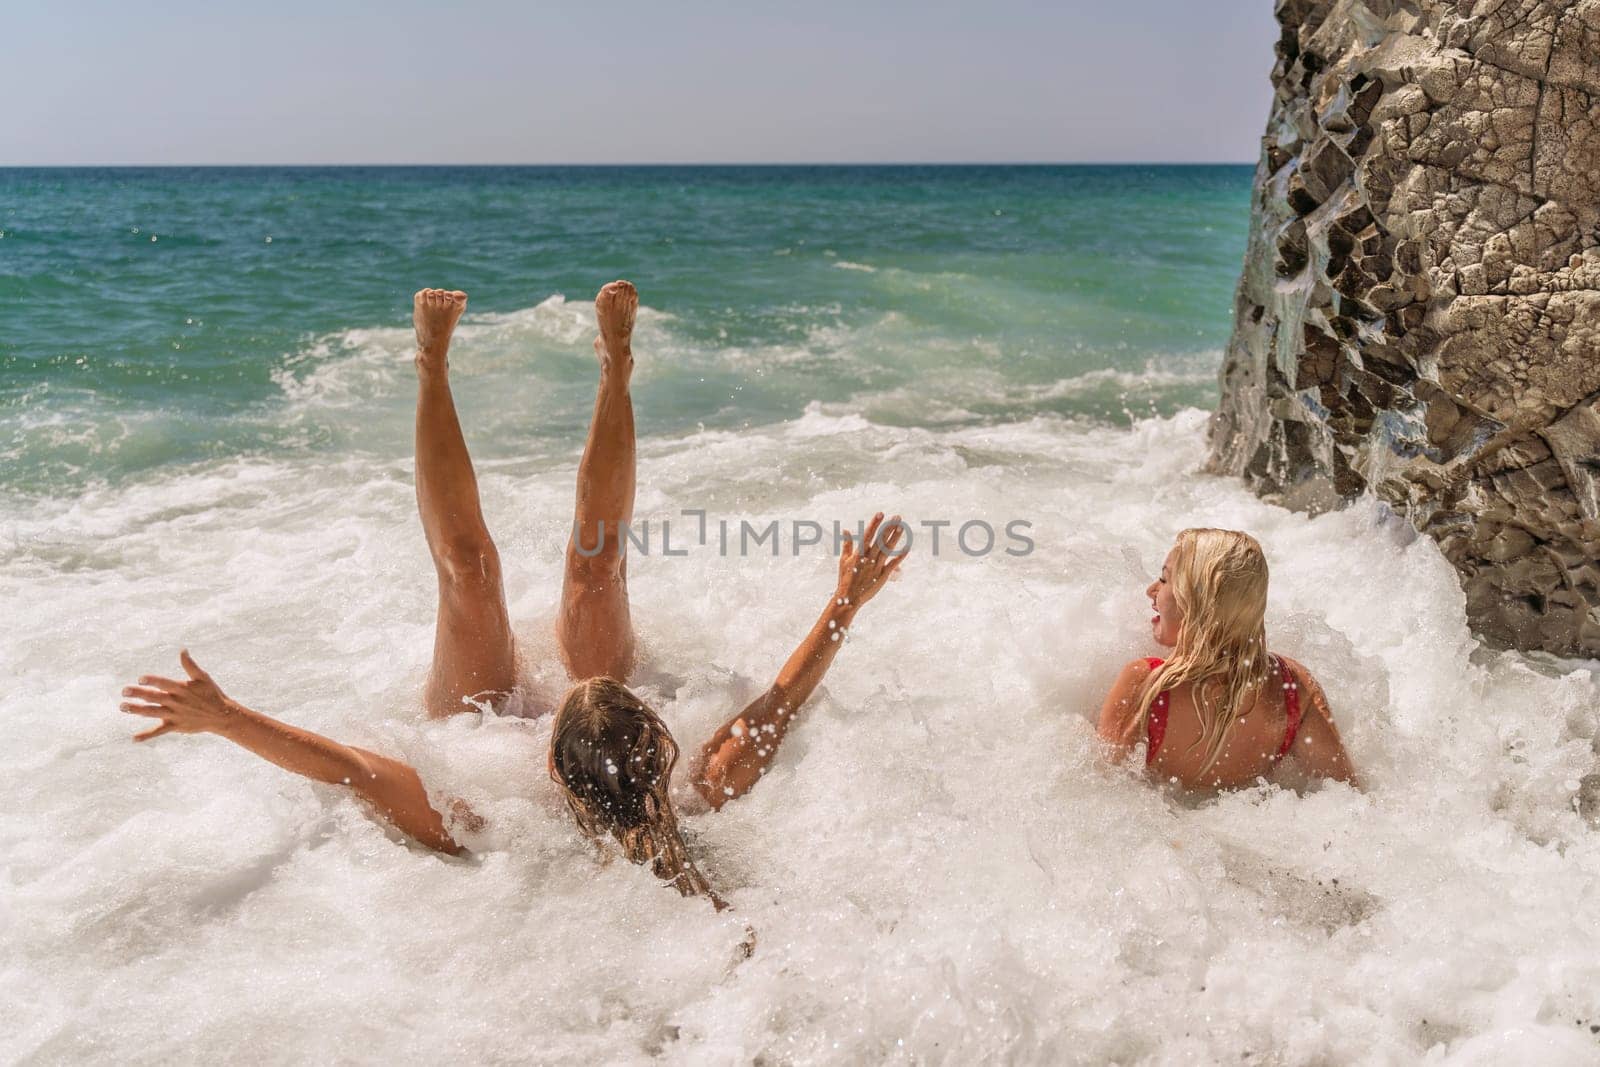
<point>1251,748</point>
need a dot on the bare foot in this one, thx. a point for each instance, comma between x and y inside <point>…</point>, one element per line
<point>615,308</point>
<point>435,313</point>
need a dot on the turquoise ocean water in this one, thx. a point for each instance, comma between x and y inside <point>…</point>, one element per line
<point>206,442</point>
<point>159,317</point>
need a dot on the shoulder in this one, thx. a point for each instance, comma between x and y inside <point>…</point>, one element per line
<point>1134,674</point>
<point>1122,702</point>
<point>1301,675</point>
<point>1298,671</point>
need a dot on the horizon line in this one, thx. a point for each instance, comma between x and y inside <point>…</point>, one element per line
<point>709,163</point>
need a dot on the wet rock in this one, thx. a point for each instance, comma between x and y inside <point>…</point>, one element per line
<point>1419,315</point>
<point>1588,800</point>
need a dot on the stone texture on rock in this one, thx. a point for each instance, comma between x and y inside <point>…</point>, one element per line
<point>1419,314</point>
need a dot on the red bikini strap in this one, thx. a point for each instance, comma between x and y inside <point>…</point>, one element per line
<point>1291,705</point>
<point>1155,726</point>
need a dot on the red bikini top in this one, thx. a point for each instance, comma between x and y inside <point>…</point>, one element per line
<point>1156,724</point>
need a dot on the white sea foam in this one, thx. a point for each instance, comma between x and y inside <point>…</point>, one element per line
<point>938,869</point>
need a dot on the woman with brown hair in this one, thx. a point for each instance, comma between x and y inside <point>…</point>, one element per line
<point>610,753</point>
<point>1222,711</point>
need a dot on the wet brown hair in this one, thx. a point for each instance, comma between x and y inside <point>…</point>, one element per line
<point>613,758</point>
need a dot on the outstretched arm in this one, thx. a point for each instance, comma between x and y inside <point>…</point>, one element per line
<point>198,706</point>
<point>738,754</point>
<point>1317,747</point>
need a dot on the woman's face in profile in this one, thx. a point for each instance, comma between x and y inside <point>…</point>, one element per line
<point>1168,618</point>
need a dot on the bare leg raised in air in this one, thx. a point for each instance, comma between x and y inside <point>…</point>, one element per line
<point>474,658</point>
<point>594,626</point>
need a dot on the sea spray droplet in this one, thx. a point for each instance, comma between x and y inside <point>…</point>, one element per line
<point>269,238</point>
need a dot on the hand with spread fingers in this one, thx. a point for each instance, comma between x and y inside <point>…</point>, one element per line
<point>195,706</point>
<point>865,566</point>
<point>739,754</point>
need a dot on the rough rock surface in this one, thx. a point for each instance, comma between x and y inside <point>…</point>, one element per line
<point>1420,309</point>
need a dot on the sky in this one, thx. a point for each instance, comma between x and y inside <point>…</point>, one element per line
<point>628,81</point>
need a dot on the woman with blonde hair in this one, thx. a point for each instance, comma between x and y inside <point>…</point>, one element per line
<point>611,755</point>
<point>1222,711</point>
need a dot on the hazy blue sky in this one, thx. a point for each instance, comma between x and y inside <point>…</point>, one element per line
<point>627,81</point>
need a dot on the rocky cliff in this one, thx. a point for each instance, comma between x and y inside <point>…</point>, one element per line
<point>1419,314</point>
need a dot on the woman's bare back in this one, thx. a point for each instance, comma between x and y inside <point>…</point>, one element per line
<point>1250,748</point>
<point>1253,747</point>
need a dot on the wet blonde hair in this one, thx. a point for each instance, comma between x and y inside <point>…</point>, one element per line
<point>613,758</point>
<point>1219,581</point>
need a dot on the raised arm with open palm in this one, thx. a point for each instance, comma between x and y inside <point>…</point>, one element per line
<point>738,754</point>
